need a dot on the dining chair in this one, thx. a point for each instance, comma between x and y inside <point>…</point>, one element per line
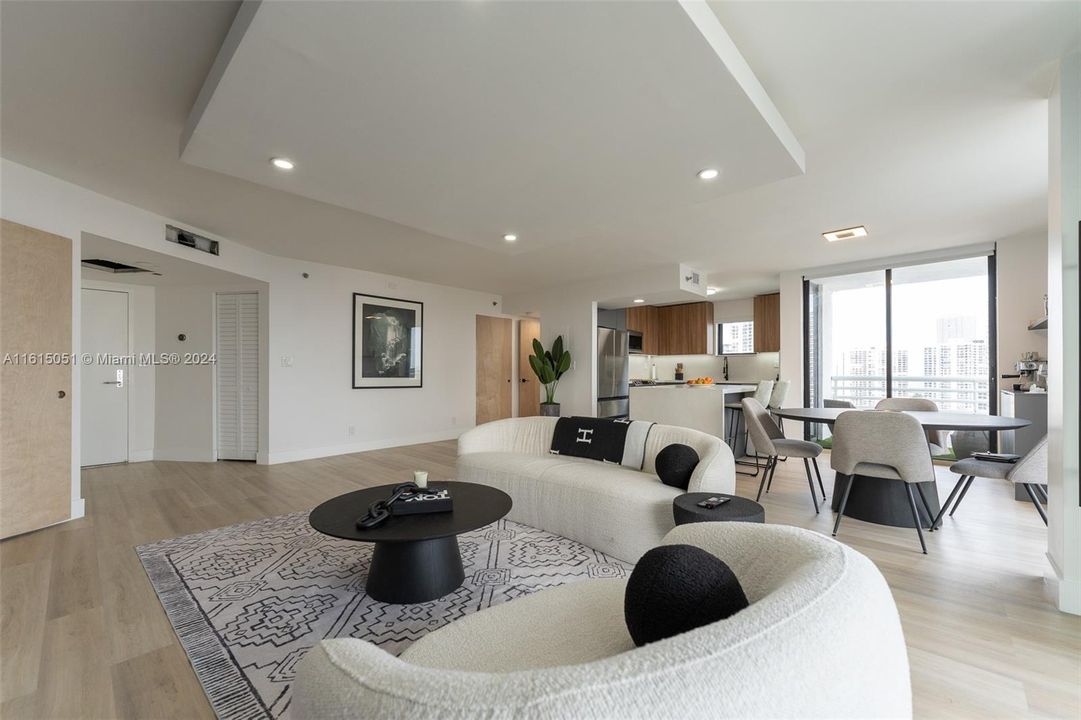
<point>1030,472</point>
<point>769,439</point>
<point>827,402</point>
<point>776,400</point>
<point>935,438</point>
<point>892,446</point>
<point>762,394</point>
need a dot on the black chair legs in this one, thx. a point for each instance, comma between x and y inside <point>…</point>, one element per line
<point>844,502</point>
<point>771,467</point>
<point>1035,501</point>
<point>946,505</point>
<point>811,483</point>
<point>916,516</point>
<point>964,492</point>
<point>818,472</point>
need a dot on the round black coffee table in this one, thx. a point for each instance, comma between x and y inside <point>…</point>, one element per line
<point>685,509</point>
<point>416,557</point>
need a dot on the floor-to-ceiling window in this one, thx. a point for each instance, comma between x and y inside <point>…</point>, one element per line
<point>921,330</point>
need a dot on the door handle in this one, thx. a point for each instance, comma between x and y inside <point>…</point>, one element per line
<point>111,382</point>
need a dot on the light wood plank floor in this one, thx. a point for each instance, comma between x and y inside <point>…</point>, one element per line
<point>83,634</point>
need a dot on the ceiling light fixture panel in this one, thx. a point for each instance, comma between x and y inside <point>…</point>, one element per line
<point>510,237</point>
<point>282,163</point>
<point>845,233</point>
<point>708,174</point>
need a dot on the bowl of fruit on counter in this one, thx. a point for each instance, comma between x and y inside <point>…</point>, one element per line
<point>700,382</point>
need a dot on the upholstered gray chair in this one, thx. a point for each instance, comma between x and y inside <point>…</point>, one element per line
<point>776,400</point>
<point>935,438</point>
<point>1030,472</point>
<point>769,439</point>
<point>762,394</point>
<point>888,445</point>
<point>838,404</point>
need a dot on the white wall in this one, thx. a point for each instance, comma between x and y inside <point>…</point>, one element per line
<point>141,378</point>
<point>1022,284</point>
<point>186,413</point>
<point>1064,215</point>
<point>310,405</point>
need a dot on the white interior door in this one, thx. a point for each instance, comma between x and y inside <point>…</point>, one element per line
<point>238,375</point>
<point>104,410</point>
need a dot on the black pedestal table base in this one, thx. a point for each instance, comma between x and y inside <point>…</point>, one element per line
<point>882,501</point>
<point>413,572</point>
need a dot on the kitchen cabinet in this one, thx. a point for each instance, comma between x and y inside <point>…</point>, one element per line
<point>644,319</point>
<point>674,329</point>
<point>767,323</point>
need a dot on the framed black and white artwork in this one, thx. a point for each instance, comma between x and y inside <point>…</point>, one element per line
<point>388,335</point>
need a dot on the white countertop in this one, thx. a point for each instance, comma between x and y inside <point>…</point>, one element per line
<point>726,388</point>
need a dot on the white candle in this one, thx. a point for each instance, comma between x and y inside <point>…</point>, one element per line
<point>420,478</point>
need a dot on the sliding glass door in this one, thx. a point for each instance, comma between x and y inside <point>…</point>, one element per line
<point>941,334</point>
<point>914,331</point>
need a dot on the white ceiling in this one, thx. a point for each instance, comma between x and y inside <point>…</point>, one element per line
<point>924,121</point>
<point>469,120</point>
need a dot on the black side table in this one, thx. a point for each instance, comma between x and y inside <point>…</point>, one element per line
<point>685,509</point>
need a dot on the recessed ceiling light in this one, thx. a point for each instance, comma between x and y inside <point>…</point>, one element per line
<point>510,237</point>
<point>708,174</point>
<point>282,163</point>
<point>639,300</point>
<point>845,233</point>
<point>712,290</point>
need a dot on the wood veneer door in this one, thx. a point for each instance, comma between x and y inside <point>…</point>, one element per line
<point>35,397</point>
<point>494,388</point>
<point>529,387</point>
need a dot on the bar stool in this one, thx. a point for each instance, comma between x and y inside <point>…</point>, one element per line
<point>762,395</point>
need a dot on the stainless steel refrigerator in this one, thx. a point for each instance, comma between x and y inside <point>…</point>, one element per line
<point>613,389</point>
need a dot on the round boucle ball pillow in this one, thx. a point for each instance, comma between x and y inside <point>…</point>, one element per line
<point>675,464</point>
<point>676,588</point>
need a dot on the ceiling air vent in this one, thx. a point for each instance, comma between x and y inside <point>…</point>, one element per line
<point>111,266</point>
<point>190,239</point>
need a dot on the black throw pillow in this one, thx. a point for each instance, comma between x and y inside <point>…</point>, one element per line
<point>675,464</point>
<point>676,588</point>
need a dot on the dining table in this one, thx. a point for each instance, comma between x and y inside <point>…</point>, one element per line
<point>884,501</point>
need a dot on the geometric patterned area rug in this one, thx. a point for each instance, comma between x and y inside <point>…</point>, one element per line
<point>247,601</point>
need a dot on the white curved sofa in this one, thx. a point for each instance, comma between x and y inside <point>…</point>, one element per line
<point>608,507</point>
<point>821,639</point>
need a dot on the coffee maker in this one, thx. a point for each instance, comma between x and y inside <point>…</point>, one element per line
<point>1032,372</point>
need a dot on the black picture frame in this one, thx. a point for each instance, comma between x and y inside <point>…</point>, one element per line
<point>387,342</point>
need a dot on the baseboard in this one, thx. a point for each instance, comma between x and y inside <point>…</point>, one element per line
<point>78,508</point>
<point>285,456</point>
<point>1068,591</point>
<point>140,455</point>
<point>183,455</point>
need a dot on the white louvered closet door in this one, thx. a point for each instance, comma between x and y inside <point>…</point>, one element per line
<point>238,375</point>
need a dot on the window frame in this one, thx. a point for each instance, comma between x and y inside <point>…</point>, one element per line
<point>719,349</point>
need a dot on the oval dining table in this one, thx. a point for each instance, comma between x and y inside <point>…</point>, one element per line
<point>883,501</point>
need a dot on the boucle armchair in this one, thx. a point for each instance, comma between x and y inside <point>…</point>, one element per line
<point>821,639</point>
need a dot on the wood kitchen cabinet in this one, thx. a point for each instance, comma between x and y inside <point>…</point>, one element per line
<point>674,329</point>
<point>767,323</point>
<point>644,319</point>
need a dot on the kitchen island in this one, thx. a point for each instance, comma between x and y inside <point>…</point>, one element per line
<point>700,407</point>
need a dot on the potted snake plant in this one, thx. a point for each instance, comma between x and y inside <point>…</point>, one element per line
<point>549,366</point>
